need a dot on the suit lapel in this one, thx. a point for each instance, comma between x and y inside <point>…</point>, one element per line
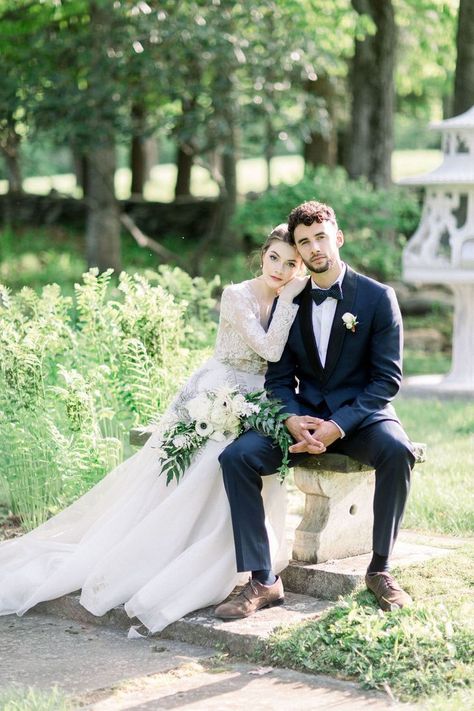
<point>338,330</point>
<point>306,321</point>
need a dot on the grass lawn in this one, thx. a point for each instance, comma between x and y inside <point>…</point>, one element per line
<point>251,176</point>
<point>422,653</point>
<point>413,654</point>
<point>442,495</point>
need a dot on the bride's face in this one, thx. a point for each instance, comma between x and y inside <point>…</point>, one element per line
<point>280,263</point>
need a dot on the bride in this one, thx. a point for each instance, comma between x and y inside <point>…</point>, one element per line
<point>163,550</point>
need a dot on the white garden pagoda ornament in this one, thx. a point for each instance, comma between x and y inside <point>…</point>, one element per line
<point>442,249</point>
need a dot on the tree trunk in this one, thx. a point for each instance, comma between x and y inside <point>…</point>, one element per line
<point>138,165</point>
<point>363,62</point>
<point>464,77</point>
<point>103,215</point>
<point>222,232</point>
<point>184,136</point>
<point>320,148</point>
<point>10,148</point>
<point>269,150</point>
<point>184,164</point>
<point>229,172</point>
<point>221,235</point>
<point>372,85</point>
<point>382,117</point>
<point>81,171</point>
<point>138,153</point>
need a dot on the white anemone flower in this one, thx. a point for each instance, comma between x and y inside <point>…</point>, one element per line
<point>204,428</point>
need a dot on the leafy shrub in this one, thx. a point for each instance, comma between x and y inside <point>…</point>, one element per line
<point>75,375</point>
<point>376,222</point>
<point>195,294</point>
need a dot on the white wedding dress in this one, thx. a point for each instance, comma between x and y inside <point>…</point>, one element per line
<point>161,550</point>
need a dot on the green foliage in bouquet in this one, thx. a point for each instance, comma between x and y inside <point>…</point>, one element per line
<point>269,420</point>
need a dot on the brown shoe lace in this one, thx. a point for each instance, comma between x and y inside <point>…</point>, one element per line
<point>242,593</point>
<point>391,582</point>
<point>252,585</point>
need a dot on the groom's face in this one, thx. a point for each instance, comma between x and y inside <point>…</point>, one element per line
<point>318,245</point>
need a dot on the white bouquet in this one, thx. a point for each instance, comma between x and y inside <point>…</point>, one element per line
<point>216,415</point>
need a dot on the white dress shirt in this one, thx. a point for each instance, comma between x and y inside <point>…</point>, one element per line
<point>323,316</point>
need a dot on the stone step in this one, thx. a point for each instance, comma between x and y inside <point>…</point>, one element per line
<point>240,637</point>
<point>310,590</point>
<point>333,578</point>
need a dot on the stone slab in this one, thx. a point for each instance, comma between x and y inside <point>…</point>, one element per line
<point>43,651</point>
<point>333,578</point>
<point>327,462</point>
<point>101,670</point>
<point>201,627</point>
<point>239,686</point>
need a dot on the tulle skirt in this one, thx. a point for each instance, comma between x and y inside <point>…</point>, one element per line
<point>162,551</point>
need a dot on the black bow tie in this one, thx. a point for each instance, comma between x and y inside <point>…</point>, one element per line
<point>319,295</point>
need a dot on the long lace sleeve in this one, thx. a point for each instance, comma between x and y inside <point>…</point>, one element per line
<point>240,310</point>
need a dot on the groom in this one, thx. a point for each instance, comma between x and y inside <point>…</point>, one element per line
<point>339,371</point>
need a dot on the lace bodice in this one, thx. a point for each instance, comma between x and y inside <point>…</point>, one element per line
<point>242,342</point>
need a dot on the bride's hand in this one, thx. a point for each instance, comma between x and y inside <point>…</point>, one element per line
<point>293,288</point>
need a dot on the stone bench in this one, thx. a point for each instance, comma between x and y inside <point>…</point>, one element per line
<point>338,517</point>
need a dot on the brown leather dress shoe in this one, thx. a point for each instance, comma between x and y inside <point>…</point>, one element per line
<point>388,592</point>
<point>253,597</point>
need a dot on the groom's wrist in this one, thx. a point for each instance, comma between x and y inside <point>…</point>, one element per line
<point>343,434</point>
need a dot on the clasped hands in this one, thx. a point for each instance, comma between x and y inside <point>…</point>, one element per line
<point>312,434</point>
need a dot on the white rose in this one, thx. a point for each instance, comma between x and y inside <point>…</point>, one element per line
<point>180,442</point>
<point>199,407</point>
<point>350,321</point>
<point>238,405</point>
<point>218,414</point>
<point>231,424</point>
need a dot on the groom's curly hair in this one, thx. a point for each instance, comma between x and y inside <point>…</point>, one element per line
<point>307,213</point>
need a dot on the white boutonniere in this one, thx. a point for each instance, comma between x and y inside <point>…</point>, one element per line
<point>350,321</point>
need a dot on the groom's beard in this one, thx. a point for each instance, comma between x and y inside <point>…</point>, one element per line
<point>321,267</point>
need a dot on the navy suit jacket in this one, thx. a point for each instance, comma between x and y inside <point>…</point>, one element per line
<point>363,370</point>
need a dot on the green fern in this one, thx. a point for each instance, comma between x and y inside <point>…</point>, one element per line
<point>75,376</point>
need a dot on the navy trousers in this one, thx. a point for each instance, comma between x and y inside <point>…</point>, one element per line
<point>383,445</point>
